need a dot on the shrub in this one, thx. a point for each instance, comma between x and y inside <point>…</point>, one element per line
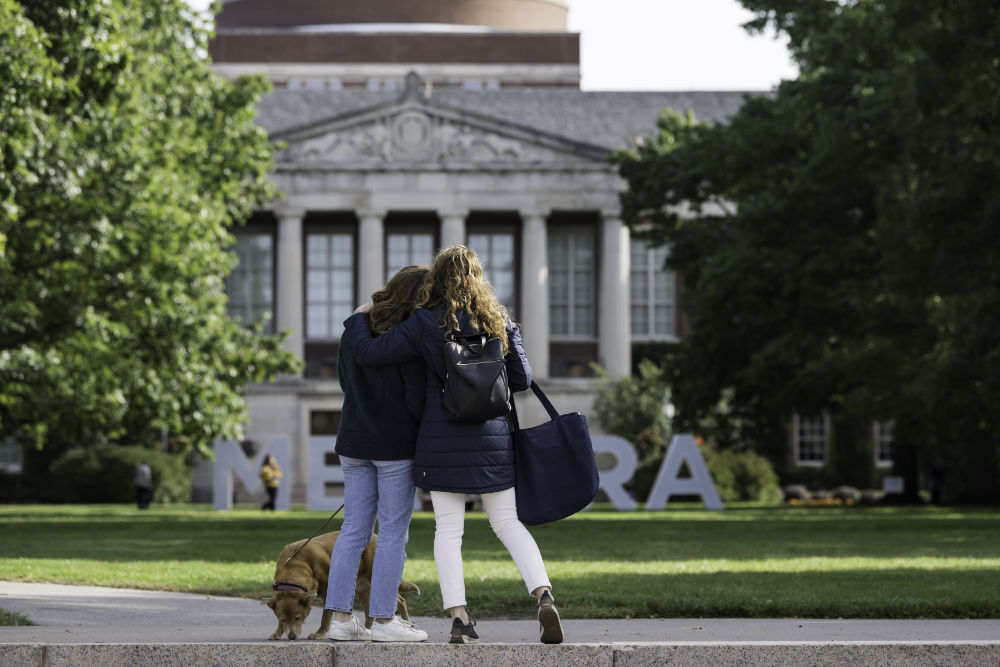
<point>742,475</point>
<point>871,496</point>
<point>642,480</point>
<point>845,492</point>
<point>795,492</point>
<point>633,407</point>
<point>105,474</point>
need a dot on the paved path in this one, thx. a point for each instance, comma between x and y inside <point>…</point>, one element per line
<point>85,625</point>
<point>89,614</point>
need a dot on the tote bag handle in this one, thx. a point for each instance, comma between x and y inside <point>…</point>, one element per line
<point>546,403</point>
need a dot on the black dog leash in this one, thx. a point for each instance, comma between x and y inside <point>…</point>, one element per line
<point>313,535</point>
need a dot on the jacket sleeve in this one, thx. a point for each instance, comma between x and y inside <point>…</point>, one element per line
<point>414,387</point>
<point>343,372</point>
<point>518,368</point>
<point>397,345</point>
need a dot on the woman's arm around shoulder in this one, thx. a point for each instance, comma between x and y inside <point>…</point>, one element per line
<point>414,374</point>
<point>393,347</point>
<point>518,368</point>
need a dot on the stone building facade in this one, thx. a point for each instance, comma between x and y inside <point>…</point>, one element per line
<point>407,127</point>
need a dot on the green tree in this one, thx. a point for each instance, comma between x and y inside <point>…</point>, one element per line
<point>123,158</point>
<point>633,407</point>
<point>841,248</point>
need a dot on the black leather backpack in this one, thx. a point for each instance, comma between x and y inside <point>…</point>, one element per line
<point>475,383</point>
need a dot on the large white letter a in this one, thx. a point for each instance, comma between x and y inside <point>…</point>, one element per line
<point>683,449</point>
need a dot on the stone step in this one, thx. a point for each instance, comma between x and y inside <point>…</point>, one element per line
<point>297,654</point>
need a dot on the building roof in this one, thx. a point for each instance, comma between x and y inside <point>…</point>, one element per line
<point>608,119</point>
<point>542,15</point>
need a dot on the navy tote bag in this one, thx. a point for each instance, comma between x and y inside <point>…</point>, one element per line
<point>556,473</point>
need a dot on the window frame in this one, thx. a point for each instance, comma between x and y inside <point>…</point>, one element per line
<point>408,228</point>
<point>264,228</point>
<point>573,231</point>
<point>887,438</point>
<point>327,229</point>
<point>650,292</point>
<point>797,441</point>
<point>495,229</point>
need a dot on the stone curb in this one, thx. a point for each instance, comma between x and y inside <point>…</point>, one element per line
<point>908,654</point>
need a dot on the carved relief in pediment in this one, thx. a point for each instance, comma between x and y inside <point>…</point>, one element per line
<point>466,144</point>
<point>415,136</point>
<point>357,144</point>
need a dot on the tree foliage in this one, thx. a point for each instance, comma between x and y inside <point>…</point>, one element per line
<point>632,407</point>
<point>838,238</point>
<point>123,158</point>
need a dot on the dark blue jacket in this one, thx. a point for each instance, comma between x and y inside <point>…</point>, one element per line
<point>382,406</point>
<point>450,456</point>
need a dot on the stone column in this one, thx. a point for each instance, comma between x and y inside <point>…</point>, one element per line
<point>290,296</point>
<point>614,342</point>
<point>371,254</point>
<point>534,297</point>
<point>452,228</point>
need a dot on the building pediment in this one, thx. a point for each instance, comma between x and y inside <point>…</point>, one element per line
<point>413,132</point>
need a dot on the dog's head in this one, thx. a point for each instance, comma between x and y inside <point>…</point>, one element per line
<point>291,608</point>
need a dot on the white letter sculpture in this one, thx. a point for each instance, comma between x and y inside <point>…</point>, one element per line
<point>626,462</point>
<point>683,449</point>
<point>230,459</point>
<point>320,474</point>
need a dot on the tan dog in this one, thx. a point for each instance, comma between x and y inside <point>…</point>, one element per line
<point>303,579</point>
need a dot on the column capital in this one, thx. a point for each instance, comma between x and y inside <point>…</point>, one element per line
<point>452,214</point>
<point>536,214</point>
<point>289,212</point>
<point>611,213</point>
<point>368,214</point>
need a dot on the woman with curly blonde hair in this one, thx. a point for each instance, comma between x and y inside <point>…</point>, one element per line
<point>453,459</point>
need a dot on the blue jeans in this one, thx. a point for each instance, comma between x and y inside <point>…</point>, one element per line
<point>372,488</point>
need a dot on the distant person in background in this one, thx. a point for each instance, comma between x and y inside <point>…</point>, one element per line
<point>270,474</point>
<point>143,485</point>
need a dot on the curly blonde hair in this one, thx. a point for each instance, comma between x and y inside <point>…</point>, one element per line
<point>456,280</point>
<point>397,300</point>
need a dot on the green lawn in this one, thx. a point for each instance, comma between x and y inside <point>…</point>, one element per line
<point>742,562</point>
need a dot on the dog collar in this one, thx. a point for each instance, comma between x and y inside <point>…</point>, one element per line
<point>279,586</point>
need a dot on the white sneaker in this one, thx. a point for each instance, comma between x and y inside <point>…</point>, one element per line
<point>397,630</point>
<point>349,631</point>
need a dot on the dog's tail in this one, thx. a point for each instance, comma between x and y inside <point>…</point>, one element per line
<point>408,587</point>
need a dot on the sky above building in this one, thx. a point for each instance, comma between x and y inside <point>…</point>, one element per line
<point>674,45</point>
<point>670,45</point>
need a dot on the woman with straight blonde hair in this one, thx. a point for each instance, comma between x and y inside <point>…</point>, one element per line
<point>453,459</point>
<point>375,442</point>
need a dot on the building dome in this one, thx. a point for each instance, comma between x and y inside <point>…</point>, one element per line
<point>499,15</point>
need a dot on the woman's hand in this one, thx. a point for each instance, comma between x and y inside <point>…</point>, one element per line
<point>363,308</point>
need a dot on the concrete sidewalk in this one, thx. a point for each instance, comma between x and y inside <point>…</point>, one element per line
<point>89,625</point>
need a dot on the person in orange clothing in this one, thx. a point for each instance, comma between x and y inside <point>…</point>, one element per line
<point>270,474</point>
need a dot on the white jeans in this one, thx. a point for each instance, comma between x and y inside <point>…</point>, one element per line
<point>449,518</point>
